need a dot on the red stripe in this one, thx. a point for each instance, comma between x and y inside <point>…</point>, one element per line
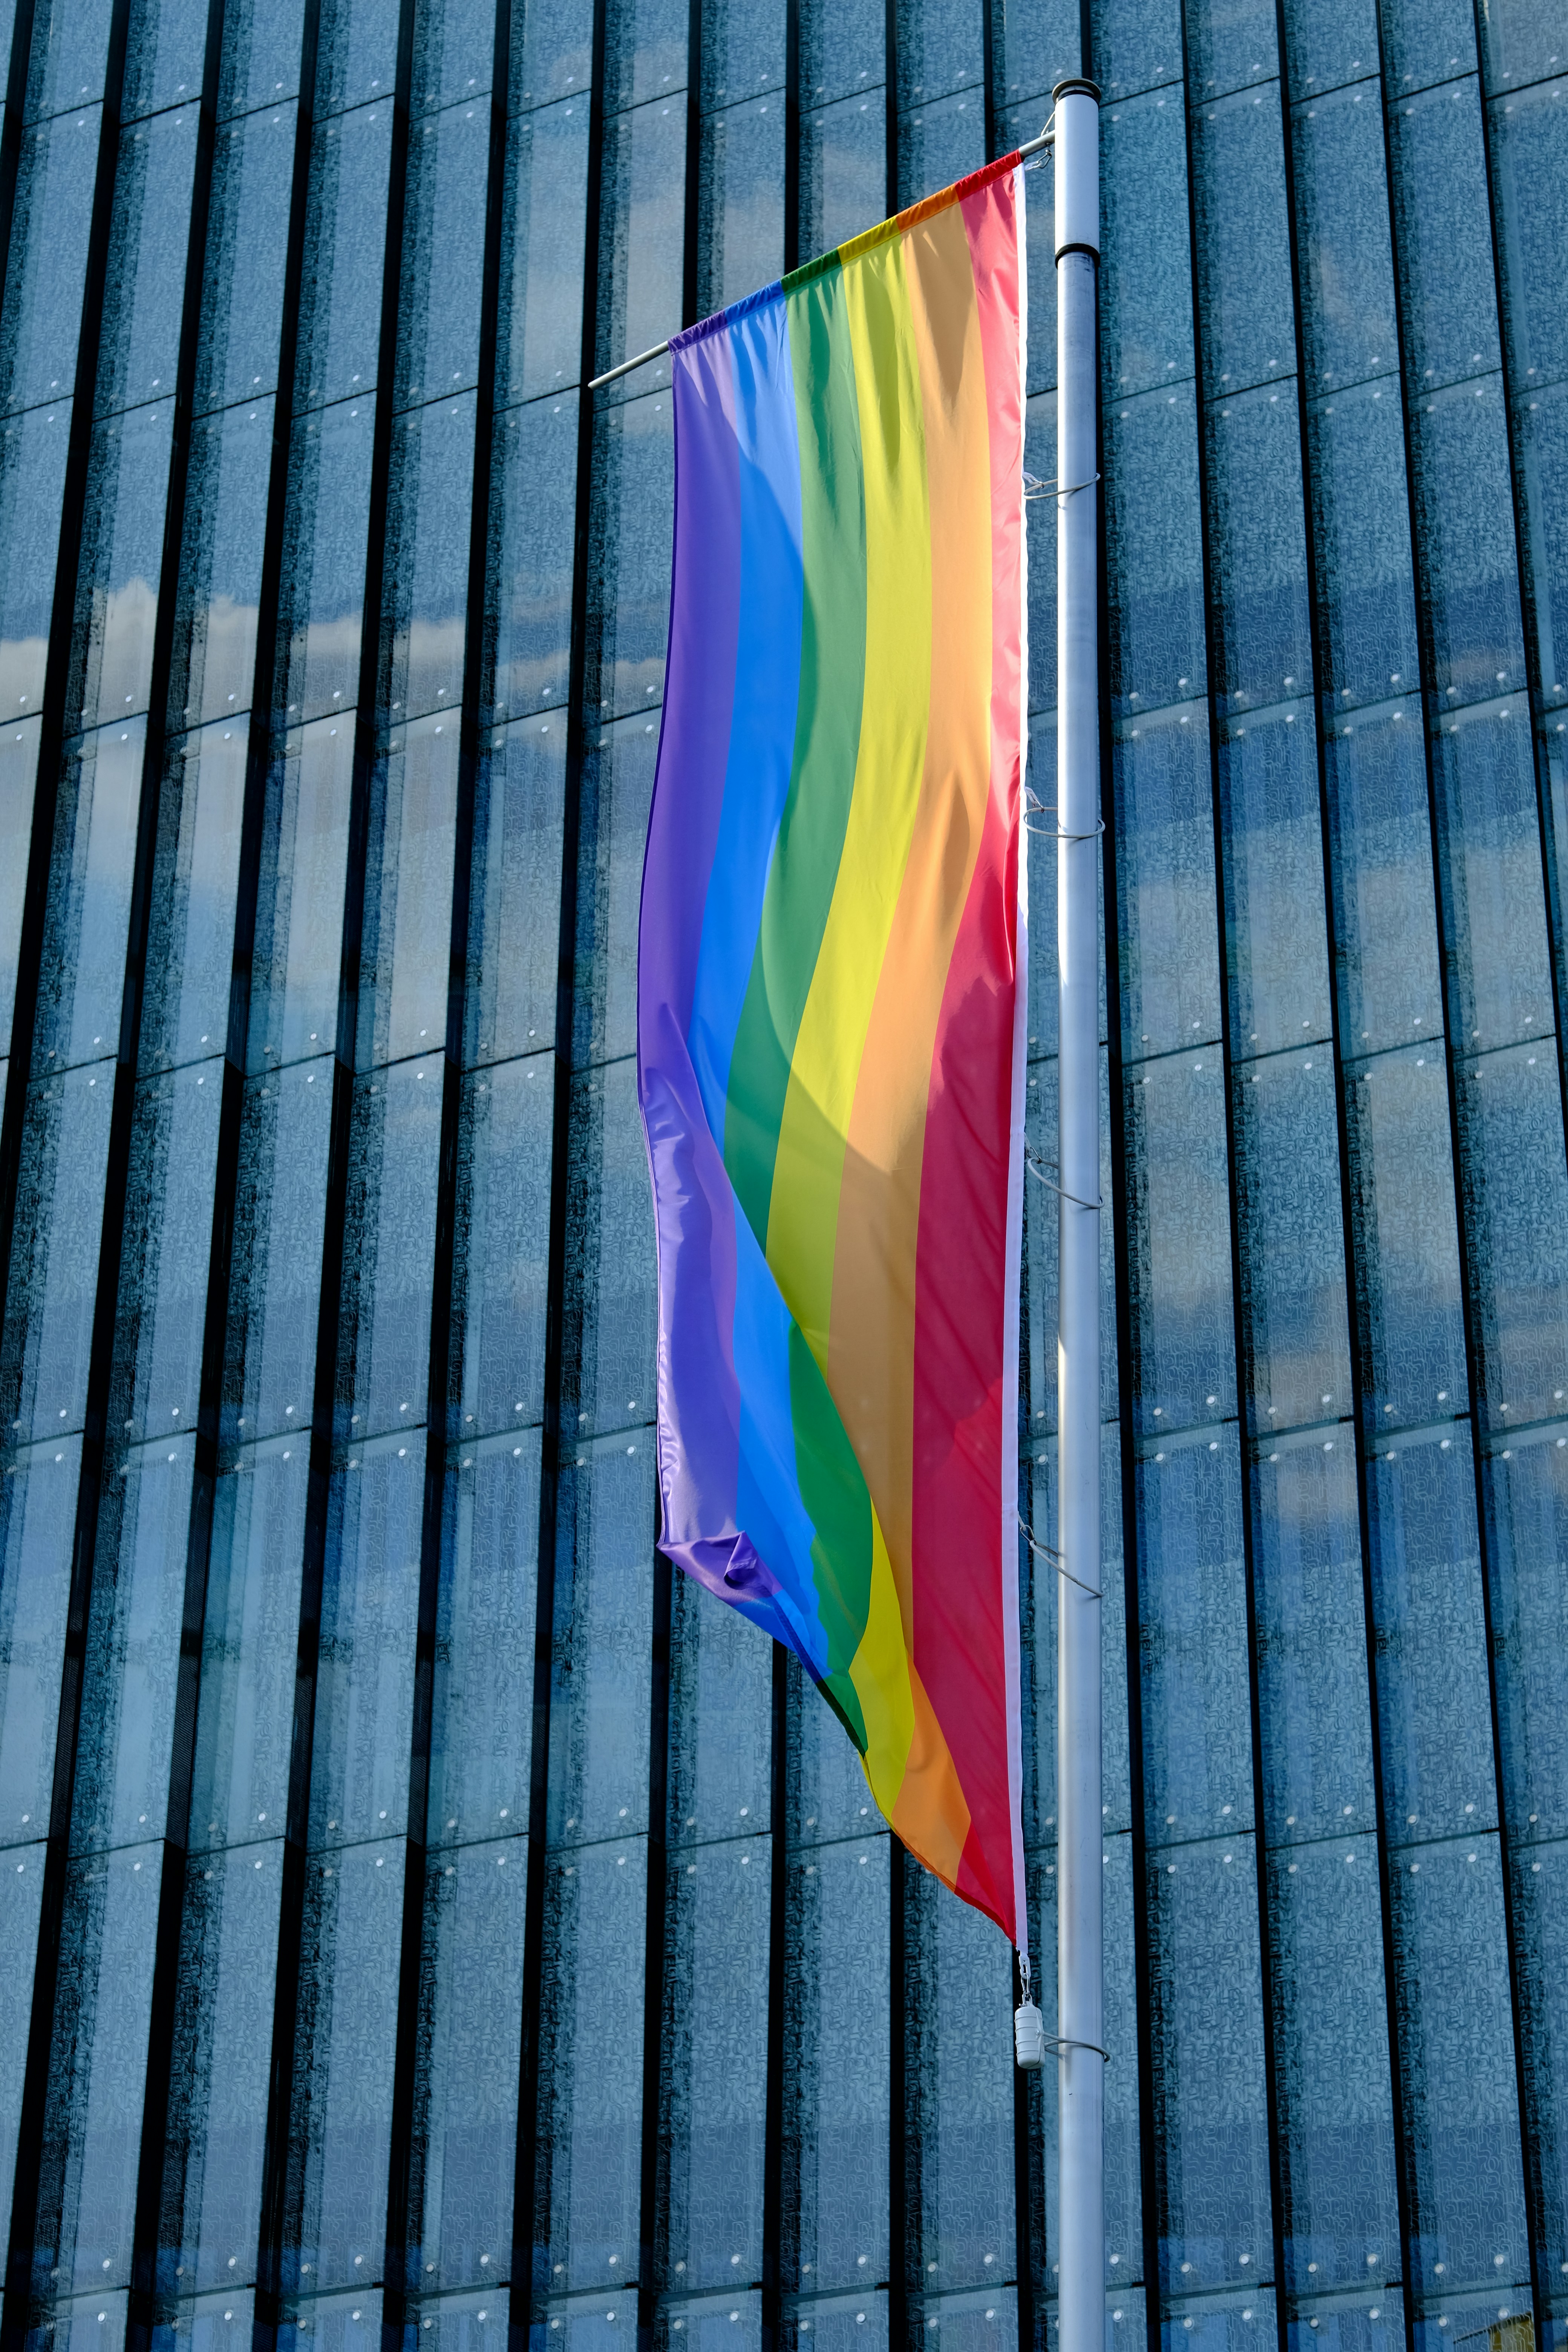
<point>962,1422</point>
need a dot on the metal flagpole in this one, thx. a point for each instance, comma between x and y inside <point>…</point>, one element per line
<point>1080,2031</point>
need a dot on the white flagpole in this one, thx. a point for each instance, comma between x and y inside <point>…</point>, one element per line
<point>1080,2249</point>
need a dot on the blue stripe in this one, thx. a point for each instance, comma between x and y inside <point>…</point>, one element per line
<point>767,690</point>
<point>767,1489</point>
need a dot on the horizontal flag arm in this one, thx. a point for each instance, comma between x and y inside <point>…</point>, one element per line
<point>627,367</point>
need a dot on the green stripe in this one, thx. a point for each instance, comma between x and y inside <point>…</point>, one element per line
<point>827,737</point>
<point>833,1489</point>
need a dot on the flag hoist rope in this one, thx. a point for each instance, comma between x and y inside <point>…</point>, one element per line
<point>1080,1877</point>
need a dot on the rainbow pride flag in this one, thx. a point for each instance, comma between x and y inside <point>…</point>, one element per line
<point>832,999</point>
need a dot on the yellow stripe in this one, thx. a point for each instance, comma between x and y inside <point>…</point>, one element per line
<point>804,1215</point>
<point>879,1671</point>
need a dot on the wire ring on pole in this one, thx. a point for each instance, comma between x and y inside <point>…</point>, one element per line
<point>1061,2044</point>
<point>1049,1551</point>
<point>1037,1171</point>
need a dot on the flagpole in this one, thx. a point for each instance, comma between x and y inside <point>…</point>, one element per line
<point>1080,2250</point>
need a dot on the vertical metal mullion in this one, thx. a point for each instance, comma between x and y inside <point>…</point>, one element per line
<point>1541,2313</point>
<point>14,2323</point>
<point>1322,683</point>
<point>1215,652</point>
<point>15,99</point>
<point>529,2269</point>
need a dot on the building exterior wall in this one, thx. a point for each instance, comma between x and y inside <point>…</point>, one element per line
<point>420,1911</point>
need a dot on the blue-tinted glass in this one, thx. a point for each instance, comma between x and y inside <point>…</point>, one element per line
<point>482,1703</point>
<point>32,481</point>
<point>612,1310</point>
<point>1179,1241</point>
<point>19,776</point>
<point>1510,1143</point>
<point>1330,42</point>
<point>941,49</point>
<point>131,1672</point>
<point>744,49</point>
<point>504,1148</point>
<point>1041,46</point>
<point>585,2191</point>
<point>644,51</point>
<point>634,485</point>
<point>37,1500</point>
<point>529,585</point>
<point>1259,537</point>
<point>1446,281</point>
<point>551,47</point>
<point>1293,1242</point>
<point>120,566</point>
<point>245,1717</point>
<point>1153,550</point>
<point>514,892</point>
<point>539,344</point>
<point>1362,517</point>
<point>364,1681</point>
<point>743,200</point>
<point>1382,849</point>
<point>959,2097</point>
<point>425,592</point>
<point>617,789</point>
<point>53,1283</point>
<point>21,1902</point>
<point>247,232</point>
<point>214,673</point>
<point>43,295</point>
<point>842,49</point>
<point>163,1286</point>
<point>323,558</point>
<point>1244,271</point>
<point>940,141</point>
<point>1407,1239</point>
<point>1166,929</point>
<point>149,240</point>
<point>164,56</point>
<point>465,2093</point>
<point>443,251</point>
<point>1522,39</point>
<point>1230,44</point>
<point>1527,141</point>
<point>260,60</point>
<point>454,50</point>
<point>1146,270</point>
<point>190,958</point>
<point>1197,1743</point>
<point>642,208</point>
<point>721,1714</point>
<point>345,238</point>
<point>844,167</point>
<point>357,55</point>
<point>389,1245</point>
<point>714,2061</point>
<point>91,871</point>
<point>835,2075</point>
<point>604,1639</point>
<point>1274,885</point>
<point>1314,1705</point>
<point>1343,224</point>
<point>1426,41</point>
<point>298,957</point>
<point>405,942</point>
<point>1525,1487</point>
<point>69,53</point>
<point>1489,871</point>
<point>269,1371</point>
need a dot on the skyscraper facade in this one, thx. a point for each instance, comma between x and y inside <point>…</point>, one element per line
<point>421,1914</point>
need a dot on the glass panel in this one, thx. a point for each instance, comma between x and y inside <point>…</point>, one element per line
<point>131,1674</point>
<point>628,591</point>
<point>1424,41</point>
<point>82,980</point>
<point>358,53</point>
<point>586,2189</point>
<point>155,1388</point>
<point>260,53</point>
<point>270,1371</point>
<point>602,1651</point>
<point>481,1737</point>
<point>323,558</point>
<point>608,1375</point>
<point>345,243</point>
<point>644,52</point>
<point>1179,1242</point>
<point>1211,2163</point>
<point>1342,197</point>
<point>1445,268</point>
<point>1276,927</point>
<point>1525,1489</point>
<point>21,1903</point>
<point>742,192</point>
<point>443,252</point>
<point>1196,1711</point>
<point>245,1720</point>
<point>248,238</point>
<point>1146,276</point>
<point>1292,1243</point>
<point>1490,870</point>
<point>1260,552</point>
<point>514,892</point>
<point>1382,882</point>
<point>1153,552</point>
<point>50,221</point>
<point>69,53</point>
<point>406,946</point>
<point>505,1141</point>
<point>389,1248</point>
<point>835,2092</point>
<point>454,50</point>
<point>1244,285</point>
<point>19,775</point>
<point>1314,1705</point>
<point>551,47</point>
<point>149,240</point>
<point>426,587</point>
<point>957,2135</point>
<point>529,585</point>
<point>365,1684</point>
<point>642,217</point>
<point>37,1508</point>
<point>714,2065</point>
<point>720,1719</point>
<point>1166,929</point>
<point>120,567</point>
<point>1330,42</point>
<point>539,341</point>
<point>1232,44</point>
<point>842,49</point>
<point>213,666</point>
<point>616,794</point>
<point>32,485</point>
<point>940,141</point>
<point>1510,1143</point>
<point>743,45</point>
<point>195,880</point>
<point>941,49</point>
<point>1540,1885</point>
<point>53,1283</point>
<point>464,2138</point>
<point>92,2122</point>
<point>164,54</point>
<point>298,954</point>
<point>1407,1239</point>
<point>844,166</point>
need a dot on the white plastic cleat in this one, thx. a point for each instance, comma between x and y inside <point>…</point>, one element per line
<point>1029,2037</point>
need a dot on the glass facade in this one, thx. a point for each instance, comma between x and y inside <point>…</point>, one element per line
<point>420,1912</point>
